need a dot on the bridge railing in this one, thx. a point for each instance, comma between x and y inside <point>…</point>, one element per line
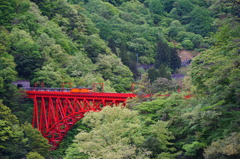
<point>48,89</point>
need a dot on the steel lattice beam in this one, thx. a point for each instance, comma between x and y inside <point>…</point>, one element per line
<point>55,113</point>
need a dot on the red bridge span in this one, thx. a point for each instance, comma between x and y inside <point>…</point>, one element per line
<point>56,111</point>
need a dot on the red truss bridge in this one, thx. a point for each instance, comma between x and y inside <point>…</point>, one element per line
<point>57,110</point>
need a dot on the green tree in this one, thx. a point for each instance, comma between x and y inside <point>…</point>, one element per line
<point>26,53</point>
<point>164,85</point>
<point>188,44</point>
<point>35,141</point>
<point>216,71</point>
<point>7,64</point>
<point>112,68</point>
<point>12,137</point>
<point>162,72</point>
<point>10,9</point>
<point>52,75</point>
<point>115,133</point>
<point>201,22</point>
<point>154,113</point>
<point>184,7</point>
<point>80,65</point>
<point>162,135</point>
<point>95,46</point>
<point>156,7</point>
<point>167,56</point>
<point>229,147</point>
<point>34,155</point>
<point>168,5</point>
<point>17,140</point>
<point>175,28</point>
<point>116,2</point>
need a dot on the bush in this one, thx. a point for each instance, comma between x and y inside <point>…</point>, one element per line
<point>34,155</point>
<point>226,148</point>
<point>188,44</point>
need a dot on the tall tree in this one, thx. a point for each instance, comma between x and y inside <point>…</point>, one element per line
<point>167,56</point>
<point>26,53</point>
<point>201,22</point>
<point>116,133</point>
<point>112,68</point>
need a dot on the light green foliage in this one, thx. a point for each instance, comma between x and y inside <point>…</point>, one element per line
<point>115,133</point>
<point>52,52</point>
<point>72,152</point>
<point>5,114</point>
<point>216,71</point>
<point>26,52</point>
<point>164,85</point>
<point>17,140</point>
<point>174,28</point>
<point>112,68</point>
<point>196,40</point>
<point>142,47</point>
<point>103,9</point>
<point>79,65</point>
<point>162,134</point>
<point>158,108</point>
<point>229,147</point>
<point>95,46</point>
<point>130,30</point>
<point>7,65</point>
<point>11,135</point>
<point>10,9</point>
<point>54,31</point>
<point>51,75</point>
<point>193,147</point>
<point>28,20</point>
<point>68,144</point>
<point>35,141</point>
<point>134,7</point>
<point>187,44</point>
<point>34,155</point>
<point>154,112</point>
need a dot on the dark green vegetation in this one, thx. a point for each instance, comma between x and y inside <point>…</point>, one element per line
<point>110,41</point>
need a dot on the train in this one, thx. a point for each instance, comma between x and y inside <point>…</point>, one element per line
<point>81,90</point>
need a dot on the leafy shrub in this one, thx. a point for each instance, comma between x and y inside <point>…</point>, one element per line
<point>188,44</point>
<point>34,155</point>
<point>228,147</point>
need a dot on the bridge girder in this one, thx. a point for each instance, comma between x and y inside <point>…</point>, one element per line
<point>55,113</point>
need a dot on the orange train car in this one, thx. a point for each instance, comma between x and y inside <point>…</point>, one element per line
<point>81,90</point>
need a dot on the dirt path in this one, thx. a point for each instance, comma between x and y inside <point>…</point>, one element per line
<point>187,55</point>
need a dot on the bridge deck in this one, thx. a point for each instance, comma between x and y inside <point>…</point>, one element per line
<point>32,94</point>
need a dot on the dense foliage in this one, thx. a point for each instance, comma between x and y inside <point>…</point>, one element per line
<point>118,42</point>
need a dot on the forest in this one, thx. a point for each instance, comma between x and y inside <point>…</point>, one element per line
<point>120,42</point>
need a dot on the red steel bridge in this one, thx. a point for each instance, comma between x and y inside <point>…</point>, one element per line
<point>57,110</point>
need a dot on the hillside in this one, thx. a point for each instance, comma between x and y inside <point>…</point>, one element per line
<point>107,41</point>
